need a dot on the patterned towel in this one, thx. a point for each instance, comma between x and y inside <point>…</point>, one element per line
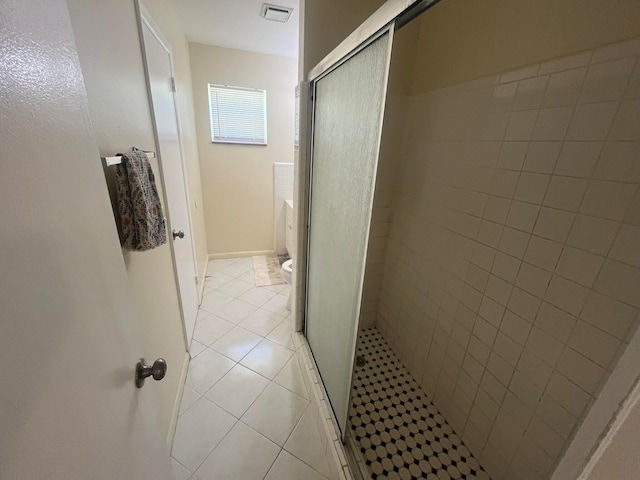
<point>139,203</point>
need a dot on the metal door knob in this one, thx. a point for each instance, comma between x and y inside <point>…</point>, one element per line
<point>178,234</point>
<point>158,370</point>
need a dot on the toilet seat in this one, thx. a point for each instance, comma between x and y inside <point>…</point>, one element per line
<point>288,266</point>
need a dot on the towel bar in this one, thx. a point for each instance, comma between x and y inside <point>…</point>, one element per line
<point>108,161</point>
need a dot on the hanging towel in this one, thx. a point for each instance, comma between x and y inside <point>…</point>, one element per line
<point>139,203</point>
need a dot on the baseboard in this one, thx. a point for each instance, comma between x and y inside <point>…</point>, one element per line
<point>178,401</point>
<point>201,281</point>
<point>218,256</point>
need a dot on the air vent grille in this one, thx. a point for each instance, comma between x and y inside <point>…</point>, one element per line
<point>276,13</point>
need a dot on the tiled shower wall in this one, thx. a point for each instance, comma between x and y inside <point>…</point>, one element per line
<point>385,189</point>
<point>512,277</point>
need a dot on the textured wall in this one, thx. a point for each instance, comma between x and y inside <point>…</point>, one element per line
<point>512,268</point>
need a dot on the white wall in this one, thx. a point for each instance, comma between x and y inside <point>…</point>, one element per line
<point>282,190</point>
<point>237,180</point>
<point>119,107</point>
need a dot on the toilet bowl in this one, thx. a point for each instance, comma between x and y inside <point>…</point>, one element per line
<point>286,269</point>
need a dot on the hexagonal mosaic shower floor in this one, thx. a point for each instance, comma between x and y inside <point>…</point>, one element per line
<point>399,433</point>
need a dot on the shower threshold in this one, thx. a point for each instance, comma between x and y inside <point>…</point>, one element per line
<point>394,431</point>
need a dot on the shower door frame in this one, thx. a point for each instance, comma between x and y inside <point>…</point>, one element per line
<point>391,16</point>
<point>386,30</point>
<point>620,390</point>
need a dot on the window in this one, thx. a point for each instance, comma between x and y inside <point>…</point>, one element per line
<point>238,115</point>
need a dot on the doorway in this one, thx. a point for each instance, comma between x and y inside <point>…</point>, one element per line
<point>162,93</point>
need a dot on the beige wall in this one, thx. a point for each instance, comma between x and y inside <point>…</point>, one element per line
<point>119,107</point>
<point>329,22</point>
<point>466,39</point>
<point>237,180</point>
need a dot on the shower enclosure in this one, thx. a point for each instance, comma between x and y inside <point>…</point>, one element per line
<point>471,269</point>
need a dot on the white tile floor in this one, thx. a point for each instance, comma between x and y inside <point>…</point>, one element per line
<point>244,413</point>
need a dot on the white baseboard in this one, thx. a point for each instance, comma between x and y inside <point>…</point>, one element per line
<point>218,256</point>
<point>176,404</point>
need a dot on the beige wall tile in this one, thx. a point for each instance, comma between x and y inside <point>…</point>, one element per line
<point>594,344</point>
<point>530,93</point>
<point>544,346</point>
<point>607,81</point>
<point>553,224</point>
<point>620,281</point>
<point>592,234</point>
<point>608,314</point>
<point>515,327</point>
<point>580,266</point>
<point>533,280</point>
<point>607,199</point>
<point>510,249</point>
<point>626,247</point>
<point>565,193</point>
<point>568,394</point>
<point>592,121</point>
<point>564,88</point>
<point>543,253</point>
<point>566,295</point>
<point>580,370</point>
<point>627,119</point>
<point>534,369</point>
<point>552,123</point>
<point>522,216</point>
<point>524,304</point>
<point>578,159</point>
<point>528,392</point>
<point>520,126</point>
<point>555,322</point>
<point>541,157</point>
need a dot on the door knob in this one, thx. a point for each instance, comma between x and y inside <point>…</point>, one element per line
<point>158,370</point>
<point>178,234</point>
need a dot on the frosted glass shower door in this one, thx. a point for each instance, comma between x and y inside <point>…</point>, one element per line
<point>348,107</point>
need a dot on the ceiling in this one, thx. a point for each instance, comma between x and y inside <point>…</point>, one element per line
<point>238,24</point>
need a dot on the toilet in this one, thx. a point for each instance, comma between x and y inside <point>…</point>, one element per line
<point>287,266</point>
<point>286,274</point>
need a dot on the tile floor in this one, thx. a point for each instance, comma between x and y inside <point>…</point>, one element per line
<point>244,412</point>
<point>397,430</point>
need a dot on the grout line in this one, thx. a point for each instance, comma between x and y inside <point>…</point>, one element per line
<point>291,433</point>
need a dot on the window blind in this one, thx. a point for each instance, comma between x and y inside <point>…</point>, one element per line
<point>238,114</point>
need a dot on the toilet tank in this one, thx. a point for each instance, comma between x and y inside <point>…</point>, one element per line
<point>288,235</point>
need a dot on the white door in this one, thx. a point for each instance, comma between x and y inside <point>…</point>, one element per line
<point>161,89</point>
<point>69,408</point>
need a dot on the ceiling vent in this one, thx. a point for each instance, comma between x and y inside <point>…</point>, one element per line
<point>276,12</point>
